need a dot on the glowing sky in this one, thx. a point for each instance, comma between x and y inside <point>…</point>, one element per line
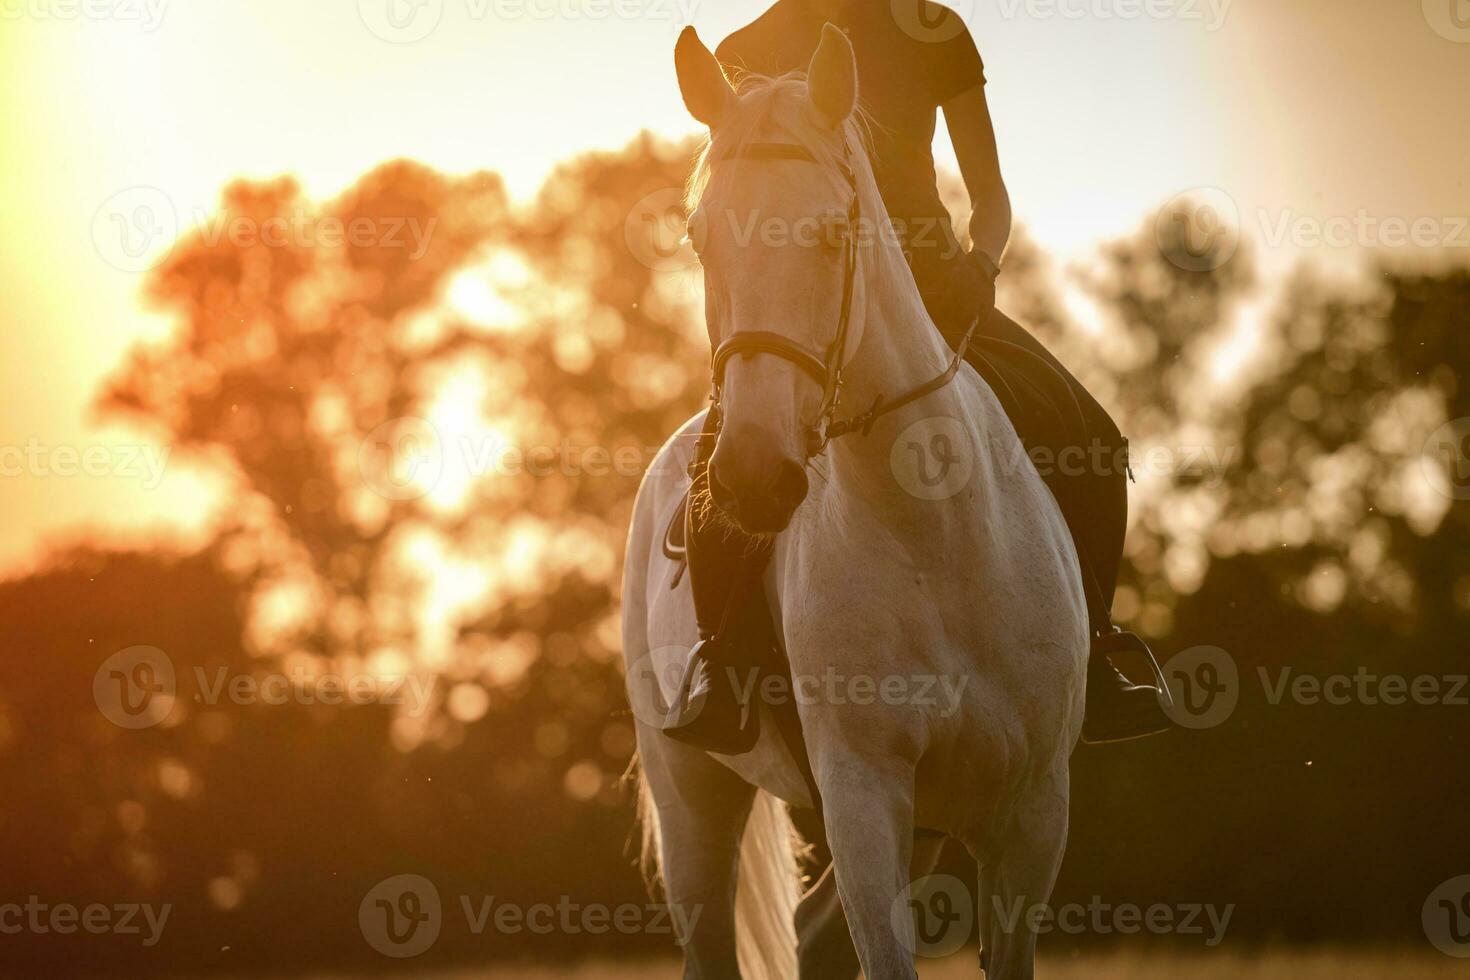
<point>1301,110</point>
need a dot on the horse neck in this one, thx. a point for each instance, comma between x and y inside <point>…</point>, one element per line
<point>900,349</point>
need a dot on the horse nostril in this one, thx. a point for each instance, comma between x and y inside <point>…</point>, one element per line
<point>790,487</point>
<point>720,492</point>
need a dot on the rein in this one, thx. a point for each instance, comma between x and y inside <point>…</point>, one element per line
<point>826,367</point>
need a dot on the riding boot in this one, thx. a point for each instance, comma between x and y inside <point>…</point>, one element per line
<point>712,708</point>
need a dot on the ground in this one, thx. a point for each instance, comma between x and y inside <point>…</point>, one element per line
<point>1419,964</point>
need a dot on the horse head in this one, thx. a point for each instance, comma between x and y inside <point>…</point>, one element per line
<point>774,220</point>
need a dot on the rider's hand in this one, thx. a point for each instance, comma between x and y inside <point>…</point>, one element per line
<point>983,272</point>
<point>964,296</point>
<point>975,288</point>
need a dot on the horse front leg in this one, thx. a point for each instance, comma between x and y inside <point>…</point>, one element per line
<point>824,942</point>
<point>868,806</point>
<point>702,809</point>
<point>1019,877</point>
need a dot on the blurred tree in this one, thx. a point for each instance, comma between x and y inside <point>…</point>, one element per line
<point>436,426</point>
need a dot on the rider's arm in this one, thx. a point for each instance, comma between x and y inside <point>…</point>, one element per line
<point>968,118</point>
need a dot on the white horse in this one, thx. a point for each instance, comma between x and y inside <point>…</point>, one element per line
<point>886,578</point>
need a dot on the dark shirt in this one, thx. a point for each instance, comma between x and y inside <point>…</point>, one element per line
<point>910,62</point>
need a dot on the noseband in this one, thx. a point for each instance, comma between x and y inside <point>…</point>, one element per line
<point>825,368</point>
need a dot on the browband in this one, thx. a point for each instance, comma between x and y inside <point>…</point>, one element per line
<point>784,151</point>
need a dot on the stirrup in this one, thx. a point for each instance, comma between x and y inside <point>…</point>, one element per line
<point>1121,641</point>
<point>1151,707</point>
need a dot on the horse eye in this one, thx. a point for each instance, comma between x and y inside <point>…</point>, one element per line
<point>696,230</point>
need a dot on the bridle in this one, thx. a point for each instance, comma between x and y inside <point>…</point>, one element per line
<point>825,367</point>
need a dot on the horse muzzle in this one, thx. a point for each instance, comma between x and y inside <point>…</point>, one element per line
<point>754,483</point>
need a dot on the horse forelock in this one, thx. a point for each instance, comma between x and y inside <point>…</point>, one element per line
<point>777,109</point>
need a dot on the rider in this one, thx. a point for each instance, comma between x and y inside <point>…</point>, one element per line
<point>913,58</point>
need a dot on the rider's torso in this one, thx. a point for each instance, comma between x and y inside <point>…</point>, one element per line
<point>908,66</point>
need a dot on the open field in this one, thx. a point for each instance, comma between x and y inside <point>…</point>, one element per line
<point>1326,964</point>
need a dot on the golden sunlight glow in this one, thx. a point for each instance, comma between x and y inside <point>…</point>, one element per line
<point>468,442</point>
<point>1241,343</point>
<point>1098,121</point>
<point>479,293</point>
<point>1084,312</point>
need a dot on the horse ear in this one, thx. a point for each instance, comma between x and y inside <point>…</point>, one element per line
<point>832,77</point>
<point>706,91</point>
